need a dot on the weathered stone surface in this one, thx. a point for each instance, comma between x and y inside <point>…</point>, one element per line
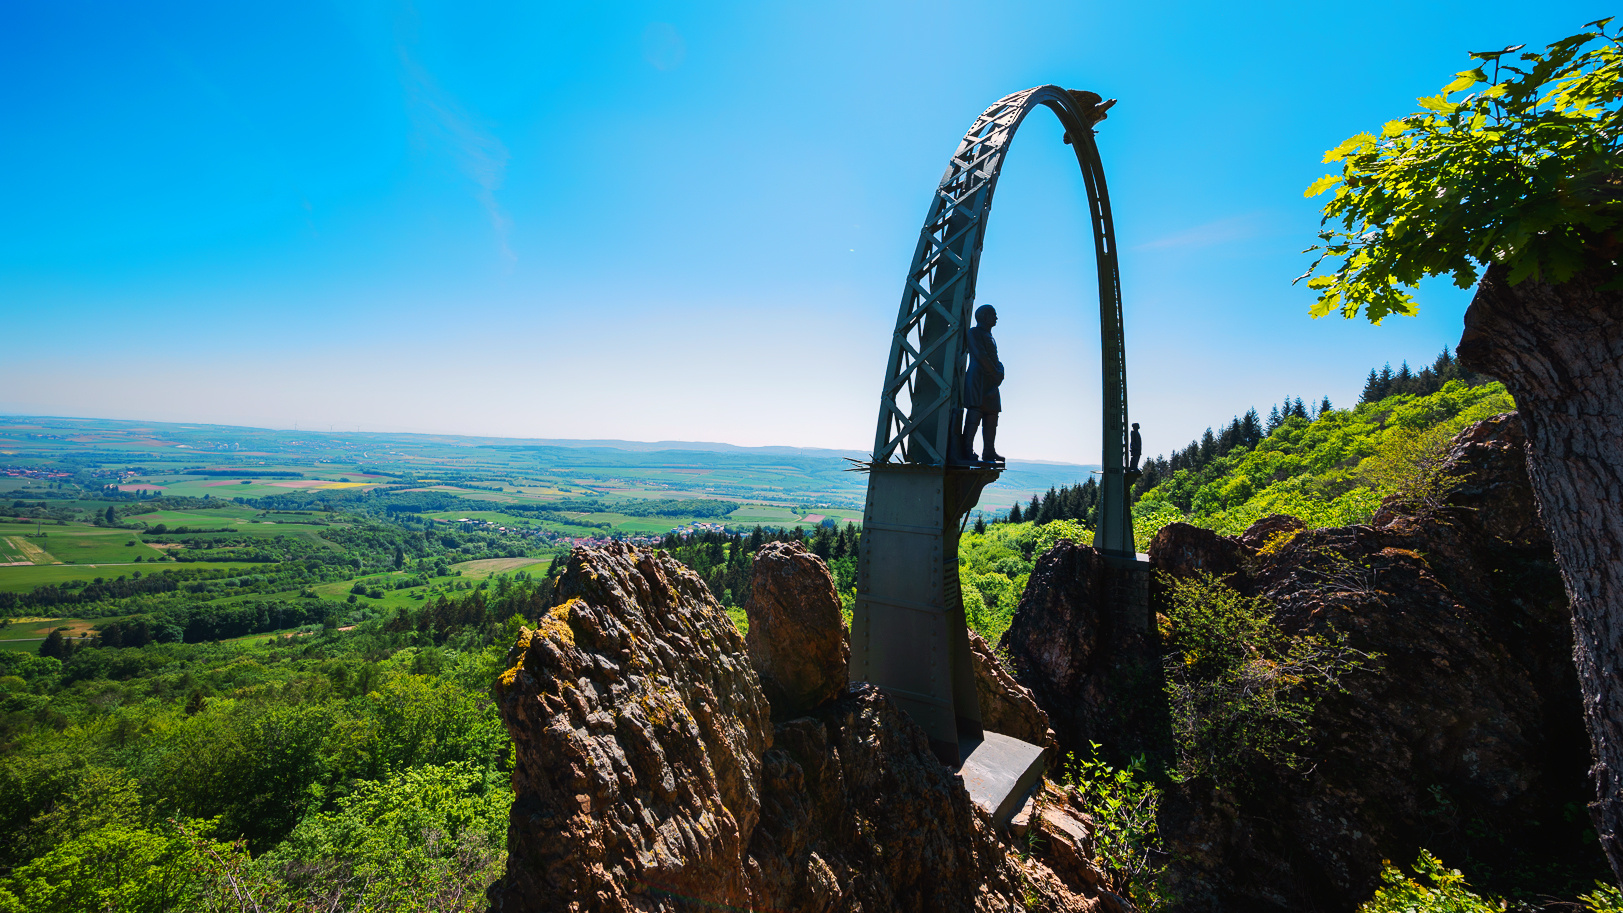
<point>797,640</point>
<point>1097,678</point>
<point>1183,550</point>
<point>1465,738</point>
<point>648,777</point>
<point>1006,705</point>
<point>1270,529</point>
<point>855,791</point>
<point>638,728</point>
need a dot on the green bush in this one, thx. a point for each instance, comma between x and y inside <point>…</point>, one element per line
<point>1126,843</point>
<point>1240,690</point>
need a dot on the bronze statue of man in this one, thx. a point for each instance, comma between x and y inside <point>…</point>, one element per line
<point>981,400</point>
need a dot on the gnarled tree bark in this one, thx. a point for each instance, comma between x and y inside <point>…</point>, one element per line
<point>1558,349</point>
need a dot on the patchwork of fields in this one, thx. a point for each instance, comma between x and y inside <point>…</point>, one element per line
<point>91,510</point>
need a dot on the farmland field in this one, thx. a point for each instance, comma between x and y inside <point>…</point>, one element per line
<point>23,579</point>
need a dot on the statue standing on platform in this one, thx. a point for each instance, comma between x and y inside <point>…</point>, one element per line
<point>981,400</point>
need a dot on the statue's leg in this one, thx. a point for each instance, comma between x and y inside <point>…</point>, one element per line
<point>990,437</point>
<point>972,421</point>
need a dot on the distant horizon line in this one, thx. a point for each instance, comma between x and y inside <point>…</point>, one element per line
<point>622,444</point>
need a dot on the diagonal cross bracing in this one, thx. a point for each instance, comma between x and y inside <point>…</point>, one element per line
<point>922,393</point>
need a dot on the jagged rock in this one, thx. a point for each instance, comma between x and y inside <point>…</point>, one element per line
<point>1059,830</point>
<point>638,728</point>
<point>797,640</point>
<point>856,792</point>
<point>1006,705</point>
<point>1183,550</point>
<point>1464,738</point>
<point>649,778</point>
<point>1097,677</point>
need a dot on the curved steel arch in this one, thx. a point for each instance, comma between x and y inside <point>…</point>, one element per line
<point>920,405</point>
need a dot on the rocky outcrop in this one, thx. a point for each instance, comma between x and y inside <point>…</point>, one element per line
<point>797,640</point>
<point>1465,737</point>
<point>649,776</point>
<point>1006,706</point>
<point>638,728</point>
<point>1097,677</point>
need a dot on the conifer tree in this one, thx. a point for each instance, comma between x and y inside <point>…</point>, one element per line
<point>1372,388</point>
<point>1014,513</point>
<point>1324,406</point>
<point>980,525</point>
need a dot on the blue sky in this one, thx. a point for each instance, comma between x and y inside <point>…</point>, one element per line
<point>676,220</point>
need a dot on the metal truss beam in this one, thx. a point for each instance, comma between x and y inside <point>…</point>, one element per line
<point>921,402</point>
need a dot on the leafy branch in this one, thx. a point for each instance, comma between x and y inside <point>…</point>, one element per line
<point>1523,172</point>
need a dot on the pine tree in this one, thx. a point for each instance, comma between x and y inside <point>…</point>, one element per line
<point>1372,388</point>
<point>1251,428</point>
<point>1273,421</point>
<point>1035,511</point>
<point>1014,513</point>
<point>980,525</point>
<point>1298,409</point>
<point>1324,406</point>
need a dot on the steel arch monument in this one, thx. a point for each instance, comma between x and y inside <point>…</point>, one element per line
<point>908,634</point>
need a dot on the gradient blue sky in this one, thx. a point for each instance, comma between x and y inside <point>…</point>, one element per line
<point>676,220</point>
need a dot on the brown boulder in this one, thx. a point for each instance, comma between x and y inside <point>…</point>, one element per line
<point>1465,737</point>
<point>1270,530</point>
<point>1095,673</point>
<point>1183,550</point>
<point>797,639</point>
<point>1006,706</point>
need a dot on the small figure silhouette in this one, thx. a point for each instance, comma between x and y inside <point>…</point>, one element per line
<point>1135,449</point>
<point>981,398</point>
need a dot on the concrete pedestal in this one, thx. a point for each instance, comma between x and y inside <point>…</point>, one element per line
<point>1000,773</point>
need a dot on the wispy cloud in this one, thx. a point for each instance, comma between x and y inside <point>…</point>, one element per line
<point>479,154</point>
<point>1222,231</point>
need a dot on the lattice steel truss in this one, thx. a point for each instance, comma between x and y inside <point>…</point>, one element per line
<point>920,405</point>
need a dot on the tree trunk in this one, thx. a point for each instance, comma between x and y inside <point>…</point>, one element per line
<point>1559,351</point>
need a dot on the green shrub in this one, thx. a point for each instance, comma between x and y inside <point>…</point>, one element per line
<point>1126,843</point>
<point>1240,690</point>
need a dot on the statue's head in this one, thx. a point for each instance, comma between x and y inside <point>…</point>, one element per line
<point>986,315</point>
<point>1135,426</point>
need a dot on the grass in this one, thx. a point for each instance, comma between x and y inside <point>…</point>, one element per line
<point>89,545</point>
<point>23,579</point>
<point>486,567</point>
<point>25,634</point>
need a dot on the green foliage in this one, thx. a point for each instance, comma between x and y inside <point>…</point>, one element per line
<point>993,568</point>
<point>1241,691</point>
<point>1316,470</point>
<point>1434,888</point>
<point>1410,465</point>
<point>1123,805</point>
<point>1519,172</point>
<point>115,866</point>
<point>1604,899</point>
<point>430,837</point>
